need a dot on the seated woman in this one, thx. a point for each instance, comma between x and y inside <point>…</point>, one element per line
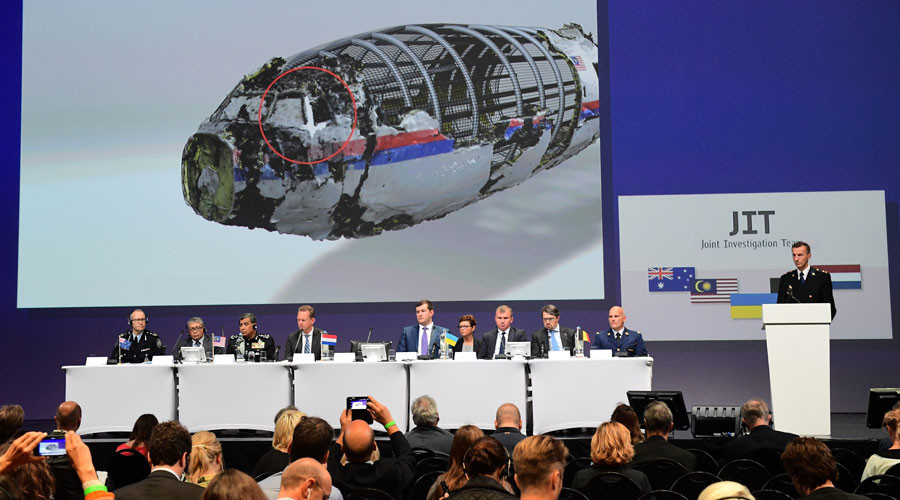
<point>206,458</point>
<point>140,434</point>
<point>485,465</point>
<point>611,451</point>
<point>276,459</point>
<point>626,416</point>
<point>467,341</point>
<point>455,477</point>
<point>883,460</point>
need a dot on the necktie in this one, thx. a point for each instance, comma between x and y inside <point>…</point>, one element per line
<point>554,345</point>
<point>618,336</point>
<point>801,278</point>
<point>502,343</point>
<point>305,343</point>
<point>197,343</point>
<point>423,342</point>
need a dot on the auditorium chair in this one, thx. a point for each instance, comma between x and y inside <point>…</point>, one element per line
<point>765,494</point>
<point>881,483</point>
<point>612,486</point>
<point>770,458</point>
<point>846,481</point>
<point>573,467</point>
<point>705,461</point>
<point>747,472</point>
<point>661,472</point>
<point>893,471</point>
<point>431,464</point>
<point>367,494</point>
<point>782,482</point>
<point>692,483</point>
<point>127,466</point>
<point>422,484</point>
<point>570,494</point>
<point>662,495</point>
<point>851,460</point>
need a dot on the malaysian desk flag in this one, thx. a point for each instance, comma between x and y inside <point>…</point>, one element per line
<point>670,279</point>
<point>218,341</point>
<point>713,290</point>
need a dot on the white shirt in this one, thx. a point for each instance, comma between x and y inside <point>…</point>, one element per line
<point>167,469</point>
<point>497,343</point>
<point>804,272</point>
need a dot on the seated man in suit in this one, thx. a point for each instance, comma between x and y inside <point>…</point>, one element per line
<point>813,470</point>
<point>659,423</point>
<point>307,338</point>
<point>427,434</point>
<point>494,341</point>
<point>170,444</point>
<point>423,337</point>
<point>552,337</point>
<point>197,337</point>
<point>620,340</point>
<point>540,465</point>
<point>357,442</point>
<point>755,415</point>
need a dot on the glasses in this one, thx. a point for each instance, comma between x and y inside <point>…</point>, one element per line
<point>195,328</point>
<point>139,319</point>
<point>549,319</point>
<point>464,326</point>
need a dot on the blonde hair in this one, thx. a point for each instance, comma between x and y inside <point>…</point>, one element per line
<point>725,489</point>
<point>891,422</point>
<point>204,450</point>
<point>284,429</point>
<point>611,444</point>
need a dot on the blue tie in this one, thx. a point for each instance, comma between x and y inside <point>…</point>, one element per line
<point>502,349</point>
<point>802,280</point>
<point>554,345</point>
<point>306,343</point>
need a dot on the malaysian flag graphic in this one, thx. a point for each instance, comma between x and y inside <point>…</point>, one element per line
<point>713,290</point>
<point>579,63</point>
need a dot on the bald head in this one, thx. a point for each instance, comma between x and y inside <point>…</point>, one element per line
<point>616,318</point>
<point>68,416</point>
<point>359,441</point>
<point>508,416</point>
<point>301,478</point>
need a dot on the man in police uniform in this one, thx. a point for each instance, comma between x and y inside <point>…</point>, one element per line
<point>249,344</point>
<point>197,337</point>
<point>307,338</point>
<point>805,284</point>
<point>620,340</point>
<point>137,344</point>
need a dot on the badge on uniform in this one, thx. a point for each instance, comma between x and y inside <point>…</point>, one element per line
<point>258,345</point>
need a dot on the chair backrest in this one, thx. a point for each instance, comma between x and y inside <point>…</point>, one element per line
<point>573,467</point>
<point>765,494</point>
<point>661,472</point>
<point>570,494</point>
<point>127,466</point>
<point>846,481</point>
<point>367,494</point>
<point>747,472</point>
<point>421,485</point>
<point>881,483</point>
<point>893,471</point>
<point>611,485</point>
<point>431,464</point>
<point>421,453</point>
<point>770,458</point>
<point>662,495</point>
<point>782,482</point>
<point>851,460</point>
<point>705,461</point>
<point>879,496</point>
<point>693,483</point>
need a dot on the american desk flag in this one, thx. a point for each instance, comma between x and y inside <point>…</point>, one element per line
<point>670,279</point>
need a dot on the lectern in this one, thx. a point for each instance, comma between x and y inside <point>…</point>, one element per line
<point>797,341</point>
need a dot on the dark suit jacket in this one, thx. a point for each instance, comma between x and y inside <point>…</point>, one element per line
<point>762,436</point>
<point>188,341</point>
<point>816,288</point>
<point>833,494</point>
<point>160,485</point>
<point>476,345</point>
<point>584,476</point>
<point>509,437</point>
<point>657,447</point>
<point>409,338</point>
<point>391,474</point>
<point>294,338</point>
<point>489,341</point>
<point>430,438</point>
<point>631,342</point>
<point>540,341</point>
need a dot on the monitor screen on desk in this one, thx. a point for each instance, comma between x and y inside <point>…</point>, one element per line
<point>673,399</point>
<point>880,402</point>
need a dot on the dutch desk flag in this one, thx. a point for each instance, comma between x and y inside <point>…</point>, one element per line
<point>329,339</point>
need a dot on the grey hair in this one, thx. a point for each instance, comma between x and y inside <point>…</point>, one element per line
<point>196,319</point>
<point>657,417</point>
<point>424,411</point>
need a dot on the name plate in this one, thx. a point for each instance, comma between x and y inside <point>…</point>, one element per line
<point>465,356</point>
<point>304,357</point>
<point>223,359</point>
<point>601,354</point>
<point>344,357</point>
<point>558,355</point>
<point>163,359</point>
<point>95,361</point>
<point>407,356</point>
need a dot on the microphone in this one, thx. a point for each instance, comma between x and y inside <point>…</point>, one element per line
<point>277,349</point>
<point>175,347</point>
<point>369,336</point>
<point>790,292</point>
<point>299,336</point>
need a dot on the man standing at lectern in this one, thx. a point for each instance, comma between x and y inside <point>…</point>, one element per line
<point>805,284</point>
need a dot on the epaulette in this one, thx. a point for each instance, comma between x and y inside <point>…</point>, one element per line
<point>235,336</point>
<point>787,274</point>
<point>263,335</point>
<point>150,334</point>
<point>820,270</point>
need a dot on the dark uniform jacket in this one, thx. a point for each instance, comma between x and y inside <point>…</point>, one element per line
<point>160,485</point>
<point>188,342</point>
<point>134,351</point>
<point>482,488</point>
<point>657,447</point>
<point>490,339</point>
<point>584,476</point>
<point>390,474</point>
<point>295,344</point>
<point>247,348</point>
<point>631,343</point>
<point>540,341</point>
<point>816,288</point>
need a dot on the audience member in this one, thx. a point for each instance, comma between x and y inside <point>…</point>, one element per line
<point>725,489</point>
<point>887,442</point>
<point>424,336</point>
<point>881,461</point>
<point>232,485</point>
<point>755,415</point>
<point>11,419</point>
<point>659,423</point>
<point>426,433</point>
<point>307,479</point>
<point>21,451</point>
<point>140,434</point>
<point>626,416</point>
<point>455,477</point>
<point>467,341</point>
<point>540,463</point>
<point>34,478</point>
<point>312,438</point>
<point>170,444</point>
<point>494,341</point>
<point>486,464</point>
<point>357,441</point>
<point>206,459</point>
<point>508,426</point>
<point>813,469</point>
<point>80,456</point>
<point>276,459</point>
<point>611,451</point>
<point>552,337</point>
<point>68,487</point>
<point>281,412</point>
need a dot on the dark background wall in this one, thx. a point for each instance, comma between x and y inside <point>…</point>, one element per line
<point>704,97</point>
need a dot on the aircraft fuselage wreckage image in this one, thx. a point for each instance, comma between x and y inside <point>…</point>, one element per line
<point>386,129</point>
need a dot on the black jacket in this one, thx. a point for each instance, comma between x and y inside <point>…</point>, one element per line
<point>295,344</point>
<point>134,351</point>
<point>390,474</point>
<point>160,485</point>
<point>762,436</point>
<point>430,438</point>
<point>481,488</point>
<point>490,339</point>
<point>656,447</point>
<point>816,288</point>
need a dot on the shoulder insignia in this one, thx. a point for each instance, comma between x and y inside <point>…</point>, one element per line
<point>789,273</point>
<point>627,333</point>
<point>820,270</point>
<point>151,334</point>
<point>608,333</point>
<point>234,336</point>
<point>264,335</point>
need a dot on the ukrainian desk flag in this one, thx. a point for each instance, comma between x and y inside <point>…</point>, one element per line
<point>450,338</point>
<point>749,305</point>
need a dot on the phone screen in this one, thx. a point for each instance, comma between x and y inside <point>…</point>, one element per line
<point>359,404</point>
<point>51,447</point>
